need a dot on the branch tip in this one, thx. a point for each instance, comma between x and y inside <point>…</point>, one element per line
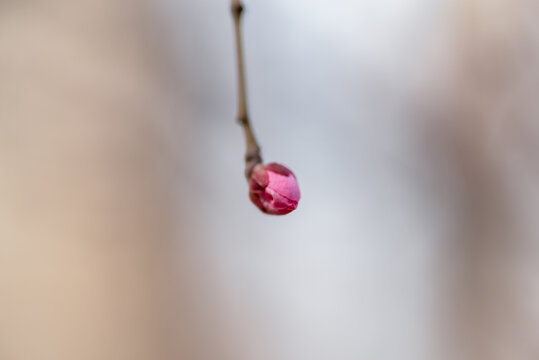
<point>237,8</point>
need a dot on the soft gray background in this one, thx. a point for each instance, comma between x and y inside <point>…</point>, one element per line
<point>361,99</point>
<point>349,274</point>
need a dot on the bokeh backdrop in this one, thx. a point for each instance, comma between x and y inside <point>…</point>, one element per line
<point>126,231</point>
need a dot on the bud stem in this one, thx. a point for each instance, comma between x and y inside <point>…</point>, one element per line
<point>252,154</point>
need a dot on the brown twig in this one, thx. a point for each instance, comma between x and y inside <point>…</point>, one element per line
<point>252,154</point>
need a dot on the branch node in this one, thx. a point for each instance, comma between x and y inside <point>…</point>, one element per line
<point>243,120</point>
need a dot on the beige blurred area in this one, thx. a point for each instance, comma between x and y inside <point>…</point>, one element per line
<point>125,228</point>
<point>86,183</point>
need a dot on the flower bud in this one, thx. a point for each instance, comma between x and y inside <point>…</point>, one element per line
<point>274,189</point>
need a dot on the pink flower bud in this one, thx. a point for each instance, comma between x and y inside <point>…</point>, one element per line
<point>274,189</point>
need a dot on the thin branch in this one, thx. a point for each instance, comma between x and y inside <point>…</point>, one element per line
<point>252,154</point>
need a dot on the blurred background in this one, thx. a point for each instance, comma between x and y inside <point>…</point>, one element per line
<point>126,231</point>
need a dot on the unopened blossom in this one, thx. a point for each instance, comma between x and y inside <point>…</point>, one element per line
<point>274,189</point>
